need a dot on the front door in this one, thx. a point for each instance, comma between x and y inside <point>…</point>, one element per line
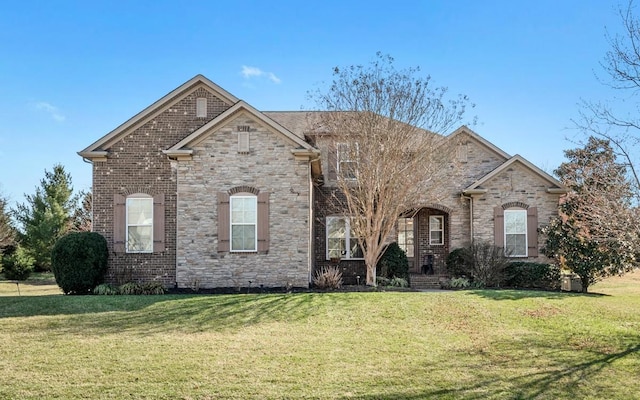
<point>432,244</point>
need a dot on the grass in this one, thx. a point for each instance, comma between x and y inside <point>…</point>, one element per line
<point>397,345</point>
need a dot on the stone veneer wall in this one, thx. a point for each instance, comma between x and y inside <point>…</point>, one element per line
<point>516,184</point>
<point>218,167</point>
<point>136,164</point>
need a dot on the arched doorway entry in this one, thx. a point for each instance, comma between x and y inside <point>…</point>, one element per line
<point>424,236</point>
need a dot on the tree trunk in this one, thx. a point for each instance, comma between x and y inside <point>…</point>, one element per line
<point>371,275</point>
<point>585,284</point>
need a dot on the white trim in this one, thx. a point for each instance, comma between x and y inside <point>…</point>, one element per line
<point>127,225</point>
<point>526,234</point>
<point>347,237</point>
<point>441,219</point>
<point>254,223</point>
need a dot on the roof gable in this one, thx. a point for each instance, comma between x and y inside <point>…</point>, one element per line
<point>555,185</point>
<point>96,149</point>
<point>183,147</point>
<point>484,142</point>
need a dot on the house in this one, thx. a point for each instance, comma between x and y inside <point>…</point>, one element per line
<point>200,189</point>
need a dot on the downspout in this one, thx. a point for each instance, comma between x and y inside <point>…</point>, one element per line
<point>310,256</point>
<point>470,198</point>
<point>88,161</point>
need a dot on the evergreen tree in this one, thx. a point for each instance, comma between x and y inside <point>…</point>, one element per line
<point>46,216</point>
<point>7,232</point>
<point>595,234</point>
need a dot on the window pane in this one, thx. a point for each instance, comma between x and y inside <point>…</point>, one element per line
<point>336,237</point>
<point>139,211</point>
<point>139,238</point>
<point>336,248</point>
<point>516,245</point>
<point>436,237</point>
<point>356,250</point>
<point>515,221</point>
<point>243,237</point>
<point>435,223</point>
<point>243,210</point>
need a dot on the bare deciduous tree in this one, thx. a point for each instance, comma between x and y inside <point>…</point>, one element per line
<point>383,125</point>
<point>612,119</point>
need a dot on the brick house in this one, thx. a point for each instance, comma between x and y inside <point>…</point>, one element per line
<point>200,189</point>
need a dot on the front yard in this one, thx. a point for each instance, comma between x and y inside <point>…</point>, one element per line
<point>460,345</point>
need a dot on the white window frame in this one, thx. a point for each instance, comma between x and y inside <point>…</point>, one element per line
<point>244,223</point>
<point>507,213</point>
<point>348,238</point>
<point>128,224</point>
<point>344,156</point>
<point>441,230</point>
<point>406,235</point>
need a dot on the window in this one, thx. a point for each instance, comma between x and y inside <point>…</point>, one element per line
<point>139,225</point>
<point>244,223</point>
<point>341,242</point>
<point>515,233</point>
<point>436,229</point>
<point>405,235</point>
<point>201,107</point>
<point>347,161</point>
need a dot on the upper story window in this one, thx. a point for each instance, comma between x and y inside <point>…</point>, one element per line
<point>244,223</point>
<point>341,241</point>
<point>139,223</point>
<point>405,235</point>
<point>436,229</point>
<point>347,160</point>
<point>515,233</point>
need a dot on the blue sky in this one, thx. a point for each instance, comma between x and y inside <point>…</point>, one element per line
<point>71,71</point>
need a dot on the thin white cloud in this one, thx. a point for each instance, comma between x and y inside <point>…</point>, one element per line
<point>52,110</point>
<point>255,72</point>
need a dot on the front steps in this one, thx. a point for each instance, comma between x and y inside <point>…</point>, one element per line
<point>425,282</point>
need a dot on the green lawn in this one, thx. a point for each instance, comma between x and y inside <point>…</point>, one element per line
<point>396,345</point>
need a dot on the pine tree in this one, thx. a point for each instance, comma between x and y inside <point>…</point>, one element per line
<point>46,216</point>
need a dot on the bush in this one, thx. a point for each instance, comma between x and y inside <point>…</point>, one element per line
<point>153,287</point>
<point>382,281</point>
<point>131,288</point>
<point>79,261</point>
<point>455,263</point>
<point>399,282</point>
<point>393,263</point>
<point>532,275</point>
<point>328,278</point>
<point>106,289</point>
<point>18,265</point>
<point>483,263</point>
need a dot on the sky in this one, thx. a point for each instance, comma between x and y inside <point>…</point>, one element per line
<point>72,71</point>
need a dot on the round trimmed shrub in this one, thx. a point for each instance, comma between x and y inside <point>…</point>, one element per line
<point>79,261</point>
<point>18,265</point>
